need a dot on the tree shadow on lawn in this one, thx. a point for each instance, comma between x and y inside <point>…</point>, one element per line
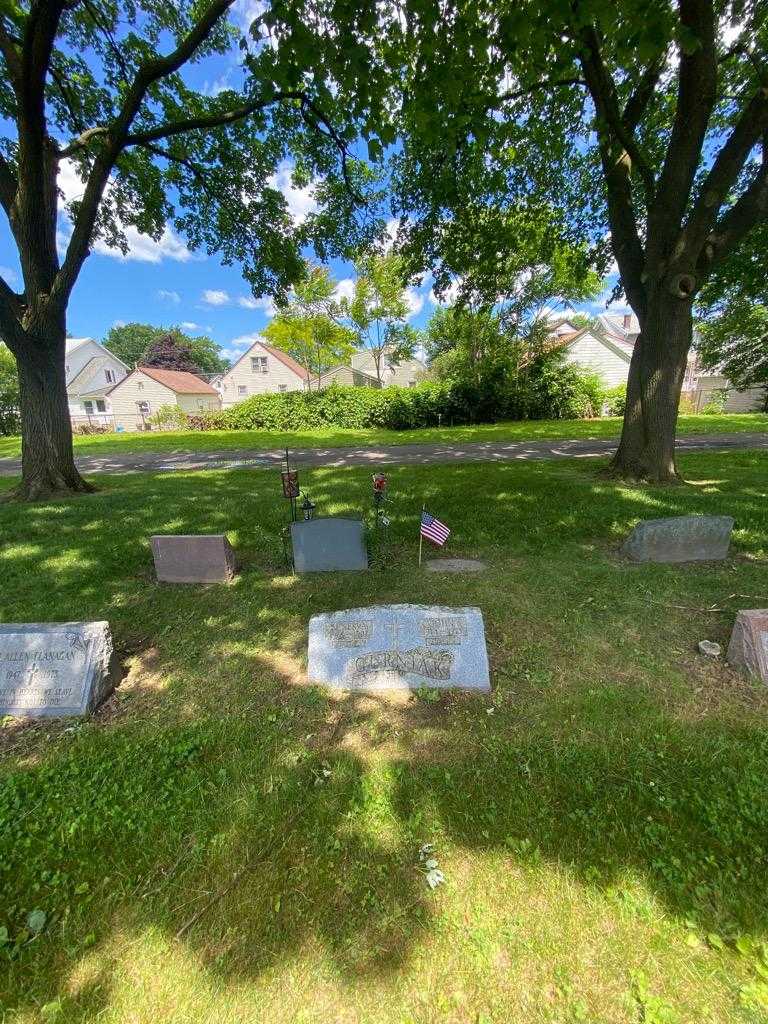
<point>583,766</point>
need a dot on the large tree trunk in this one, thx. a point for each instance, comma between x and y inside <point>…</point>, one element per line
<point>656,372</point>
<point>47,461</point>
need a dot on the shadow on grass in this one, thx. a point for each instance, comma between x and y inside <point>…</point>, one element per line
<point>285,819</point>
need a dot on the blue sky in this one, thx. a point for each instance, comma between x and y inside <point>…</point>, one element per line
<point>165,282</point>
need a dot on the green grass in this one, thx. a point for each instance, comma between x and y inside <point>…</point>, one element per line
<point>602,831</point>
<point>526,430</point>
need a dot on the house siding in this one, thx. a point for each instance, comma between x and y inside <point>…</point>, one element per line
<point>750,400</point>
<point>401,375</point>
<point>140,388</point>
<point>256,383</point>
<point>591,354</point>
<point>95,383</point>
<point>346,375</point>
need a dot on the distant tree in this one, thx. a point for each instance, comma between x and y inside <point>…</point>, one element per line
<point>308,328</point>
<point>9,393</point>
<point>732,332</point>
<point>131,342</point>
<point>461,340</point>
<point>167,353</point>
<point>378,311</point>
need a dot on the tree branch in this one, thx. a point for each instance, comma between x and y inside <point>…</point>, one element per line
<point>8,185</point>
<point>725,170</point>
<point>696,96</point>
<point>116,138</point>
<point>8,48</point>
<point>11,309</point>
<point>603,91</point>
<point>547,83</point>
<point>737,221</point>
<point>638,101</point>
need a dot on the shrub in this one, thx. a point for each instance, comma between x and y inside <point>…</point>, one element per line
<point>616,400</point>
<point>716,403</point>
<point>169,417</point>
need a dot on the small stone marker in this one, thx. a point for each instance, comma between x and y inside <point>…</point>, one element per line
<point>191,558</point>
<point>709,648</point>
<point>55,669</point>
<point>748,649</point>
<point>680,539</point>
<point>399,647</point>
<point>455,565</point>
<point>329,544</point>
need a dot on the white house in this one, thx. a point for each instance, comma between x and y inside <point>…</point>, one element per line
<point>91,371</point>
<point>146,389</point>
<point>262,369</point>
<point>405,374</point>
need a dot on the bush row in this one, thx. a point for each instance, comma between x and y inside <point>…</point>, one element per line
<point>547,389</point>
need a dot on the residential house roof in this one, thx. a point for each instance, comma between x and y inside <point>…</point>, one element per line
<point>278,354</point>
<point>82,382</point>
<point>180,381</point>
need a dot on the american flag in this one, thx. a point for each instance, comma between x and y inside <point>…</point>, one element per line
<point>433,529</point>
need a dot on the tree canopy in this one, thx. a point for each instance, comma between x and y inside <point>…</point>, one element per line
<point>131,343</point>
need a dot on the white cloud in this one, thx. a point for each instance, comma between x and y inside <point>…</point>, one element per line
<point>118,323</point>
<point>215,297</point>
<point>345,289</point>
<point>265,303</point>
<point>237,346</point>
<point>300,200</point>
<point>189,326</point>
<point>141,247</point>
<point>415,302</point>
<point>173,297</point>
<point>246,11</point>
<point>8,275</point>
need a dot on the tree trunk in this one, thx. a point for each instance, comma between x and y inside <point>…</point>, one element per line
<point>656,372</point>
<point>47,460</point>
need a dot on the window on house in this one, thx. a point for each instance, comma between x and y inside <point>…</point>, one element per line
<point>143,408</point>
<point>110,375</point>
<point>242,389</point>
<point>140,385</point>
<point>101,405</point>
<point>259,364</point>
<point>282,387</point>
<point>88,406</point>
<point>411,383</point>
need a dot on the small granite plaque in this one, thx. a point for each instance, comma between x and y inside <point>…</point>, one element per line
<point>329,544</point>
<point>193,558</point>
<point>748,649</point>
<point>680,539</point>
<point>55,669</point>
<point>399,647</point>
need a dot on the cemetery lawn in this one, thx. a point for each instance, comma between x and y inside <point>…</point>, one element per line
<point>336,437</point>
<point>224,843</point>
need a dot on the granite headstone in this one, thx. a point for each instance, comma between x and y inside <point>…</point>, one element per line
<point>399,647</point>
<point>193,558</point>
<point>55,669</point>
<point>748,649</point>
<point>680,539</point>
<point>329,544</point>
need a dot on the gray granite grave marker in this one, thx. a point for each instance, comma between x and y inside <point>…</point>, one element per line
<point>399,647</point>
<point>329,544</point>
<point>748,649</point>
<point>193,558</point>
<point>680,539</point>
<point>55,669</point>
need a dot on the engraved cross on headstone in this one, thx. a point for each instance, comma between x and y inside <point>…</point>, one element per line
<point>394,625</point>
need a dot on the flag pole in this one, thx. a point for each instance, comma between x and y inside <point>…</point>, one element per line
<point>421,535</point>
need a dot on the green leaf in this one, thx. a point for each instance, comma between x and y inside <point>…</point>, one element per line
<point>36,921</point>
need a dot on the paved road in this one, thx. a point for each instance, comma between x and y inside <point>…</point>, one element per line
<point>404,454</point>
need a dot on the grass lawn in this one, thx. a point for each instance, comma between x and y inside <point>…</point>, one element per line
<point>524,430</point>
<point>224,843</point>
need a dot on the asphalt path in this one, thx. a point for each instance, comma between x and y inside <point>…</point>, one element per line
<point>383,455</point>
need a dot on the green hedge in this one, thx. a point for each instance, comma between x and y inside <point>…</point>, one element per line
<point>547,388</point>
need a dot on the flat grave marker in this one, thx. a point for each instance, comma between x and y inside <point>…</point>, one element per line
<point>329,544</point>
<point>680,539</point>
<point>193,558</point>
<point>399,647</point>
<point>55,669</point>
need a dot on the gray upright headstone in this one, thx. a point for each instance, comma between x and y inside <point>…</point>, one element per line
<point>329,544</point>
<point>193,558</point>
<point>680,539</point>
<point>748,649</point>
<point>399,647</point>
<point>54,669</point>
